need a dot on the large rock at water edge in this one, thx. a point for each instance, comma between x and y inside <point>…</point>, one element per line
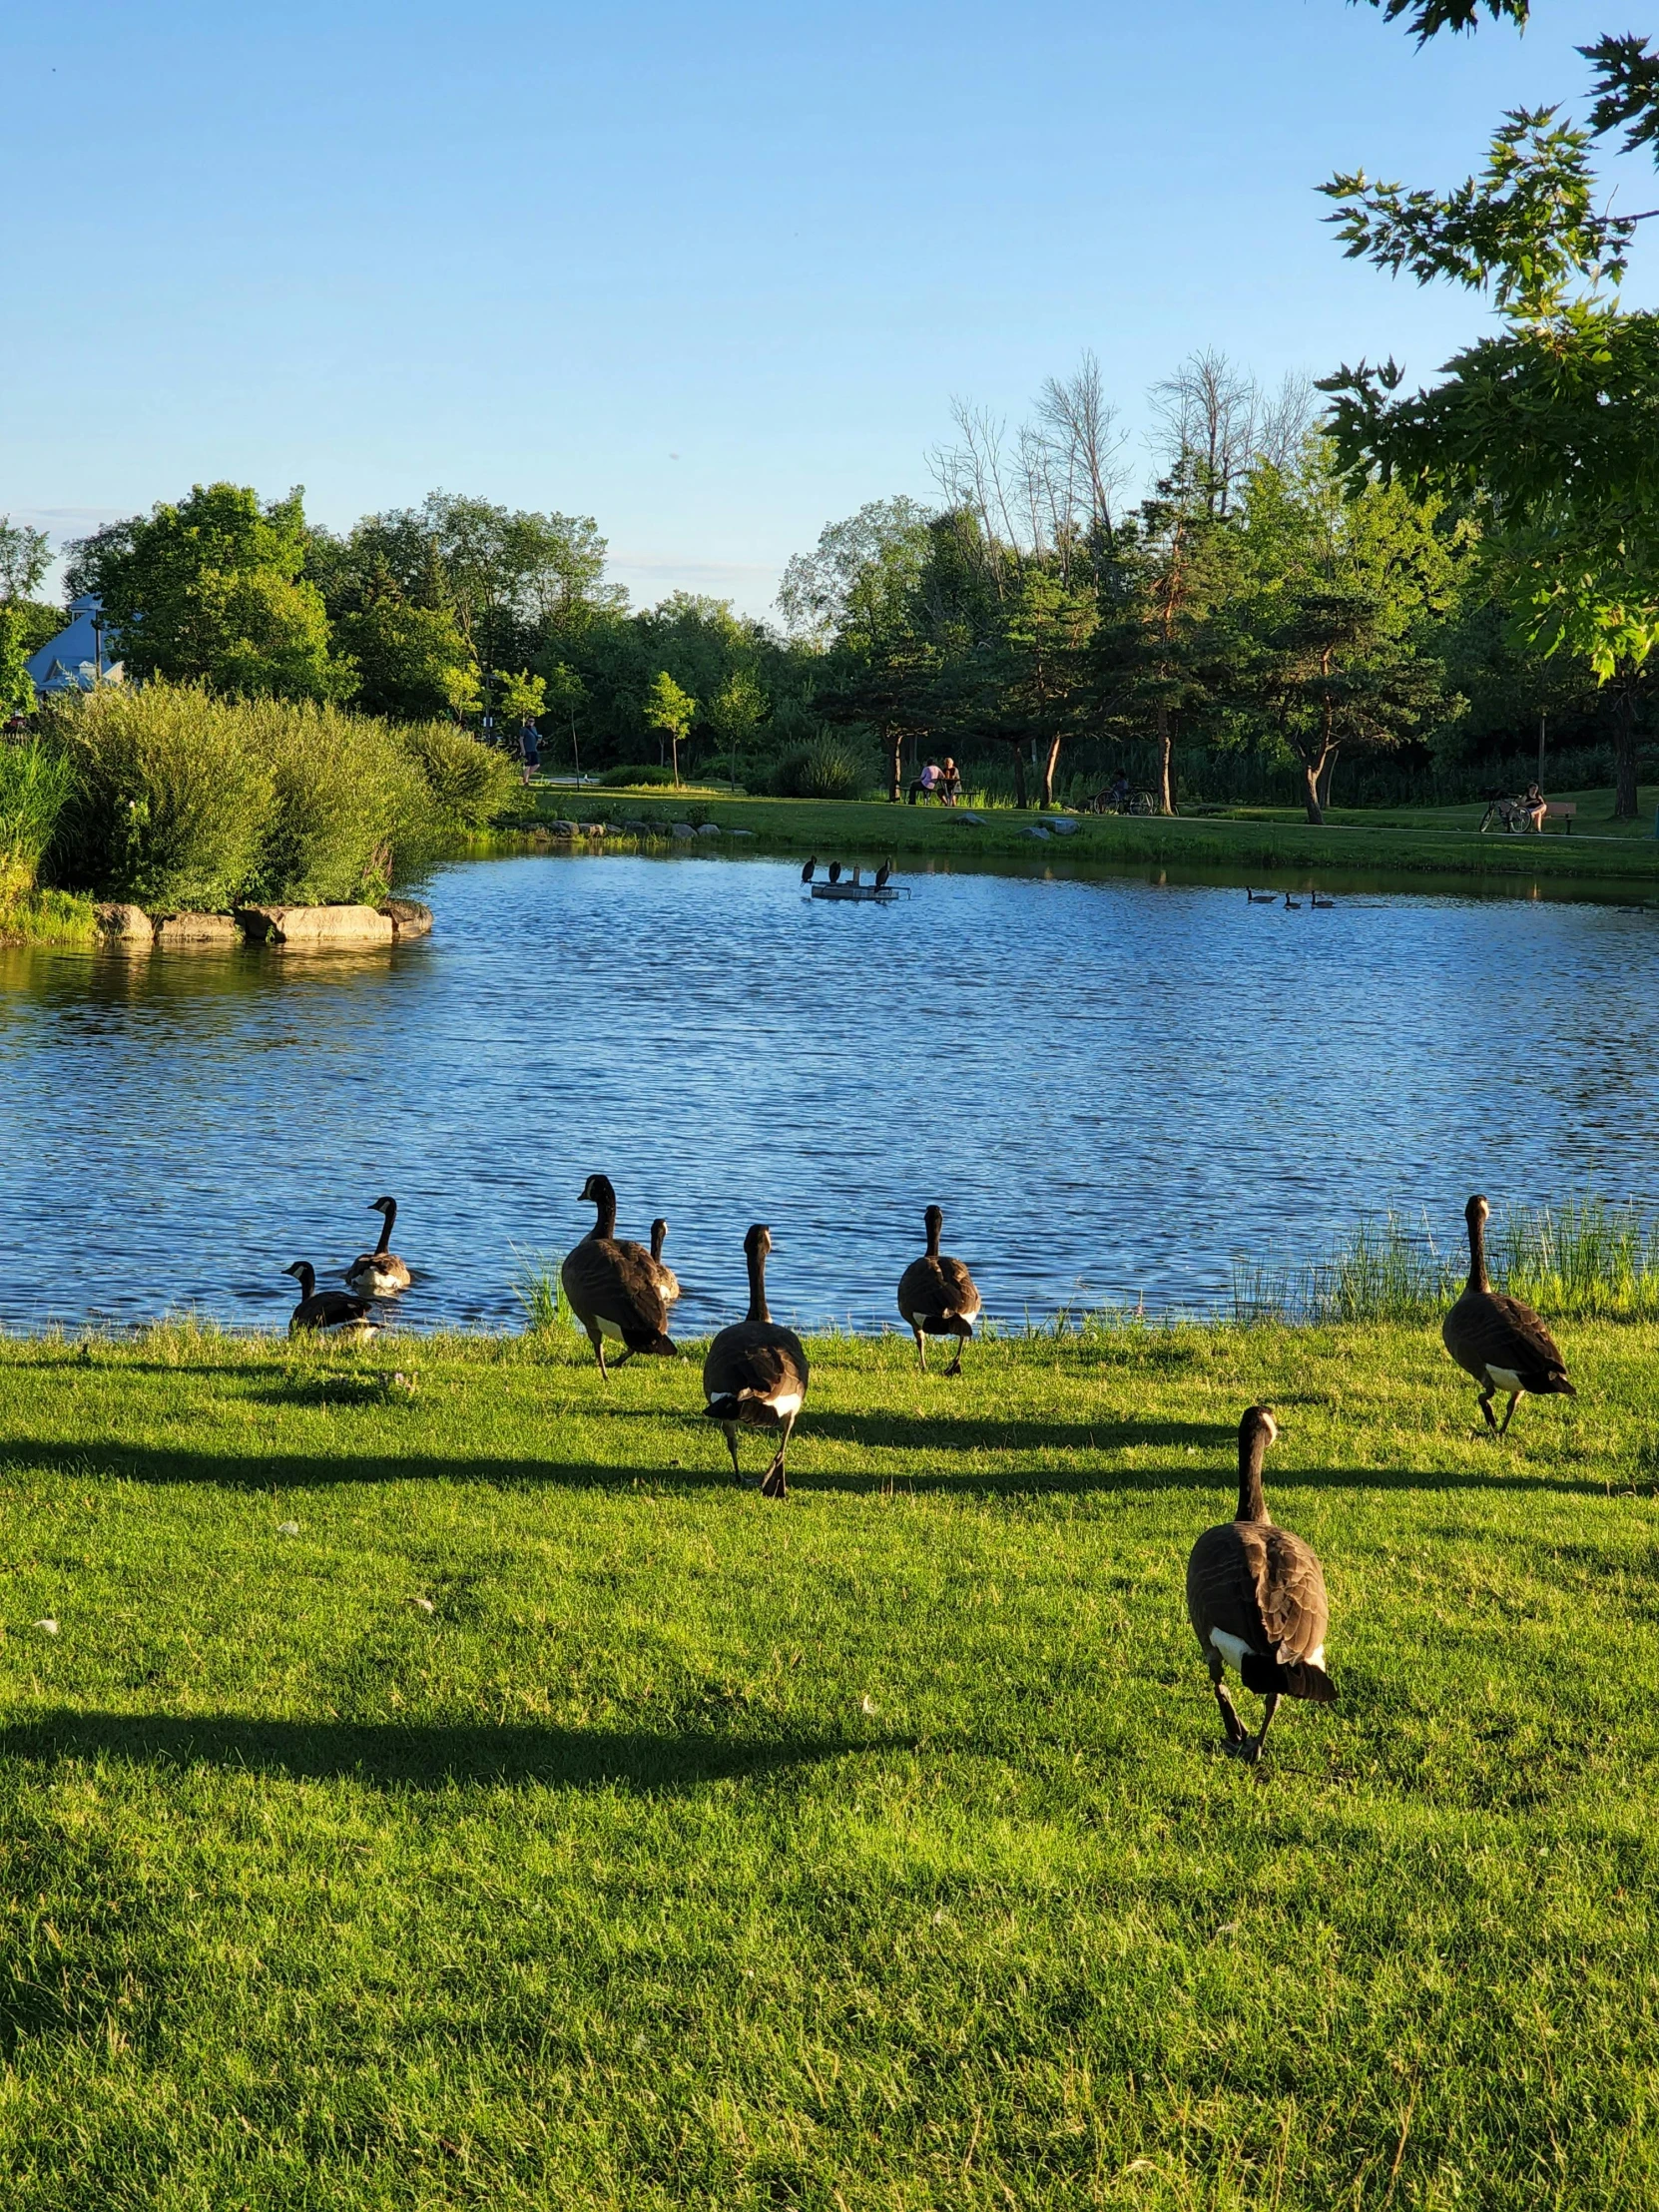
<point>316,924</point>
<point>124,925</point>
<point>409,919</point>
<point>198,930</point>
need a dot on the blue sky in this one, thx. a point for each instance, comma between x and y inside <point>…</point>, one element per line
<point>712,274</point>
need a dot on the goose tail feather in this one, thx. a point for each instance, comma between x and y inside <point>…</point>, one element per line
<point>1293,1678</point>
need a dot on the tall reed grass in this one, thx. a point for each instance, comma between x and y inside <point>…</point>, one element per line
<point>1584,1261</point>
<point>34,784</point>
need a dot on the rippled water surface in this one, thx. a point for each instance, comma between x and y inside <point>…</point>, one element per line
<point>1113,1088</point>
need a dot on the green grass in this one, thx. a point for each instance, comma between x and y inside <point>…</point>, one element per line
<point>1256,845</point>
<point>47,917</point>
<point>869,1851</point>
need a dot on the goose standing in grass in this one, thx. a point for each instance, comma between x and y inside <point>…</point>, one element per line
<point>1256,1599</point>
<point>668,1281</point>
<point>612,1286</point>
<point>326,1312</point>
<point>1497,1339</point>
<point>937,1296</point>
<point>756,1373</point>
<point>379,1273</point>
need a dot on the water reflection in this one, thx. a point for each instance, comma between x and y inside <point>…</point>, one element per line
<point>1111,1085</point>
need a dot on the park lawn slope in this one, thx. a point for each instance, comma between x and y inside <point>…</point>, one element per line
<point>1254,846</point>
<point>870,1851</point>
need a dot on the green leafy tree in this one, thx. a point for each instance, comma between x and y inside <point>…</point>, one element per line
<point>735,713</point>
<point>17,693</point>
<point>670,711</point>
<point>567,696</point>
<point>1554,419</point>
<point>210,591</point>
<point>523,697</point>
<point>24,556</point>
<point>413,662</point>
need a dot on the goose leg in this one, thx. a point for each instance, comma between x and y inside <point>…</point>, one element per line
<point>775,1484</point>
<point>598,1344</point>
<point>1514,1400</point>
<point>921,1348</point>
<point>1230,1720</point>
<point>621,1360</point>
<point>730,1429</point>
<point>1253,1750</point>
<point>955,1367</point>
<point>1485,1403</point>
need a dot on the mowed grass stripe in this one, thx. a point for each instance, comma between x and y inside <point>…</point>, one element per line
<point>875,1850</point>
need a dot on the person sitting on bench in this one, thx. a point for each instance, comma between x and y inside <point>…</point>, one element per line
<point>926,783</point>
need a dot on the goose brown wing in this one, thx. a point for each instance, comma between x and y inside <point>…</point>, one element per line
<point>961,1290</point>
<point>327,1308</point>
<point>922,1289</point>
<point>759,1358</point>
<point>1486,1330</point>
<point>608,1280</point>
<point>1260,1584</point>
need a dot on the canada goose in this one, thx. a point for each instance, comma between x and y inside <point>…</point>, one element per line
<point>1261,898</point>
<point>380,1272</point>
<point>756,1371</point>
<point>835,871</point>
<point>1323,901</point>
<point>326,1312</point>
<point>806,872</point>
<point>666,1276</point>
<point>937,1296</point>
<point>1256,1597</point>
<point>1295,904</point>
<point>613,1286</point>
<point>1500,1342</point>
<point>882,875</point>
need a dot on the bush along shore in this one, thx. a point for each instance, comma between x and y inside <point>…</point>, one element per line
<point>133,807</point>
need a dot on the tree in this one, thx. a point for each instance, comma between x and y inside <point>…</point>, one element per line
<point>736,712</point>
<point>24,556</point>
<point>17,692</point>
<point>670,709</point>
<point>567,695</point>
<point>1555,421</point>
<point>856,583</point>
<point>413,662</point>
<point>523,697</point>
<point>210,591</point>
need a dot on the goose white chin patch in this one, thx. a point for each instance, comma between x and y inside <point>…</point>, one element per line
<point>1231,1648</point>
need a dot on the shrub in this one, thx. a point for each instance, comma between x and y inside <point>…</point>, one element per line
<point>168,801</point>
<point>34,784</point>
<point>351,810</point>
<point>827,768</point>
<point>640,779</point>
<point>472,782</point>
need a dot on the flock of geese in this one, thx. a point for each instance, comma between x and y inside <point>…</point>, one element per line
<point>1270,899</point>
<point>1256,1593</point>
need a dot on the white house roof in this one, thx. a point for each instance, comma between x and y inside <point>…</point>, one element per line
<point>70,659</point>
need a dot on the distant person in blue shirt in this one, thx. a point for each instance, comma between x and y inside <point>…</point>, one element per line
<point>529,746</point>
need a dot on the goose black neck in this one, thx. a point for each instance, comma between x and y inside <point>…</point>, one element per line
<point>934,1227</point>
<point>757,1306</point>
<point>389,1215</point>
<point>1253,1450</point>
<point>307,1277</point>
<point>1478,1253</point>
<point>605,1220</point>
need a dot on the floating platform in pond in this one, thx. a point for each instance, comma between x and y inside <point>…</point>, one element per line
<point>882,893</point>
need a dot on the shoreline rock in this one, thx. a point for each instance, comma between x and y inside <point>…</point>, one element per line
<point>314,926</point>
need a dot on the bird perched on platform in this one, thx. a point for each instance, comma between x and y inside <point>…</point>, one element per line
<point>1497,1339</point>
<point>381,1273</point>
<point>835,871</point>
<point>755,1373</point>
<point>806,872</point>
<point>1256,1599</point>
<point>937,1296</point>
<point>882,875</point>
<point>326,1312</point>
<point>612,1286</point>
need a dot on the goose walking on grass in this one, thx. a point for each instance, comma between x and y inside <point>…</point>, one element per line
<point>668,1281</point>
<point>1256,1599</point>
<point>756,1373</point>
<point>381,1273</point>
<point>327,1313</point>
<point>612,1286</point>
<point>1497,1339</point>
<point>937,1296</point>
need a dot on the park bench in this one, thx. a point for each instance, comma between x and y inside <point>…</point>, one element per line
<point>1557,811</point>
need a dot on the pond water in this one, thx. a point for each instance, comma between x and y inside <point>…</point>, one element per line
<point>1113,1086</point>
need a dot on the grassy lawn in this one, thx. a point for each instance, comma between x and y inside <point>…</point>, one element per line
<point>870,1851</point>
<point>1260,843</point>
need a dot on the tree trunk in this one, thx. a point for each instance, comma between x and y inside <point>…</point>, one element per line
<point>1166,748</point>
<point>1310,775</point>
<point>674,744</point>
<point>1624,750</point>
<point>895,768</point>
<point>1327,775</point>
<point>1022,796</point>
<point>1051,761</point>
<point>575,752</point>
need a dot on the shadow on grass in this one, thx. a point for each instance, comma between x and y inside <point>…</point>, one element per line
<point>424,1757</point>
<point>934,1443</point>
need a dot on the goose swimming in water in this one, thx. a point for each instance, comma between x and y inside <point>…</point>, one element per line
<point>1256,1599</point>
<point>381,1273</point>
<point>756,1373</point>
<point>326,1312</point>
<point>612,1286</point>
<point>1497,1339</point>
